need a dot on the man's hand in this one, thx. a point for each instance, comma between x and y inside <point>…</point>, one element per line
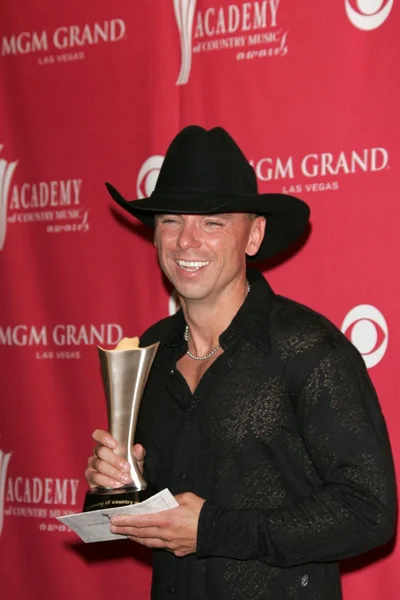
<point>107,469</point>
<point>174,530</point>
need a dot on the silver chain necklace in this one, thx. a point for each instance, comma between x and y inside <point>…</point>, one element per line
<point>214,350</point>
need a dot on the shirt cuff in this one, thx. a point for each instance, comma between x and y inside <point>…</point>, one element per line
<point>232,533</point>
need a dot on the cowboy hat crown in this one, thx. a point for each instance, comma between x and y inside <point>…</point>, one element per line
<point>206,163</point>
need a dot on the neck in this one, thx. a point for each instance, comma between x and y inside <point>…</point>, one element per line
<point>208,319</point>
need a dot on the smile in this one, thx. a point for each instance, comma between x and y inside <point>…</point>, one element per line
<point>192,265</point>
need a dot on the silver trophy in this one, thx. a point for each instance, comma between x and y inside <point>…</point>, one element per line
<point>125,371</point>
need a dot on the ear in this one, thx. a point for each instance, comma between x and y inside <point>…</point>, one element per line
<point>256,235</point>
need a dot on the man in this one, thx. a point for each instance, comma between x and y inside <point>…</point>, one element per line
<point>258,414</point>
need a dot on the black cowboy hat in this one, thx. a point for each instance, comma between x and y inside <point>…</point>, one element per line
<point>205,172</point>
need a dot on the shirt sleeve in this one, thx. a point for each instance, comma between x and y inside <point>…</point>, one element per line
<point>354,507</point>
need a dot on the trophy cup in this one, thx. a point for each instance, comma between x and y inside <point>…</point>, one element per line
<point>125,371</point>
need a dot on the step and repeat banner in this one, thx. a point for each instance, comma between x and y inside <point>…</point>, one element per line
<point>95,91</point>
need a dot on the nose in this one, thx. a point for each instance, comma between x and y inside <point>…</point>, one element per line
<point>188,236</point>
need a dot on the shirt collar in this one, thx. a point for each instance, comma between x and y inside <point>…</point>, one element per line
<point>250,322</point>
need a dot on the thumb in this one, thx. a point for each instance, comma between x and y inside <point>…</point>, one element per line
<point>139,452</point>
<point>181,498</point>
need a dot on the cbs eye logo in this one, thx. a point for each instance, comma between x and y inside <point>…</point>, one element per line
<point>148,175</point>
<point>368,14</point>
<point>366,327</point>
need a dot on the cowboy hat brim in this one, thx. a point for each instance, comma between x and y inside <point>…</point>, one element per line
<point>287,216</point>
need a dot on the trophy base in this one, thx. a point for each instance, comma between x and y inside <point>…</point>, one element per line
<point>100,498</point>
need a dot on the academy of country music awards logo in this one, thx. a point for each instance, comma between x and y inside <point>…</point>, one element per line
<point>65,43</point>
<point>61,341</point>
<point>41,498</point>
<point>252,29</point>
<point>249,29</point>
<point>368,14</point>
<point>54,204</point>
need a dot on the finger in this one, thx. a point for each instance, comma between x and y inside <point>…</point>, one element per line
<point>144,532</point>
<point>149,542</point>
<point>104,468</point>
<point>139,452</point>
<point>104,438</point>
<point>107,455</point>
<point>95,479</point>
<point>96,465</point>
<point>158,543</point>
<point>140,521</point>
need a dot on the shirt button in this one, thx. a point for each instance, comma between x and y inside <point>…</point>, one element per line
<point>171,589</point>
<point>183,476</point>
<point>171,372</point>
<point>304,580</point>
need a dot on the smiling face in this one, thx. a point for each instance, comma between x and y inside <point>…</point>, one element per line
<point>203,255</point>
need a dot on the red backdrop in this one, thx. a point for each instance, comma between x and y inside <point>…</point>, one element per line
<point>96,91</point>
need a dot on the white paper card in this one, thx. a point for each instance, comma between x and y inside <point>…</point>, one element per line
<point>94,526</point>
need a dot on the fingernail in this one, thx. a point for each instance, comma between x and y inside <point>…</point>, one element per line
<point>125,466</point>
<point>125,478</point>
<point>113,529</point>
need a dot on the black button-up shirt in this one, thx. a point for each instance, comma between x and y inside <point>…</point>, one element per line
<point>284,438</point>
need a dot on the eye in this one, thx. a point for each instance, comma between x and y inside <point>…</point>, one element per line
<point>214,224</point>
<point>366,327</point>
<point>168,220</point>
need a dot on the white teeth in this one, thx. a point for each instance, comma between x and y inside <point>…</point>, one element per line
<point>192,264</point>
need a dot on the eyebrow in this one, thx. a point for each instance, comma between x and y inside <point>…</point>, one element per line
<point>221,215</point>
<point>207,215</point>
